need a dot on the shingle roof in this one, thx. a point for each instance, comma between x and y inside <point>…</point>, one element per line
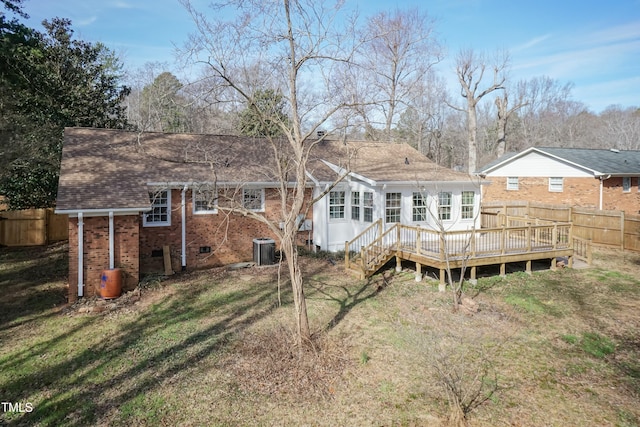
<point>605,162</point>
<point>110,169</point>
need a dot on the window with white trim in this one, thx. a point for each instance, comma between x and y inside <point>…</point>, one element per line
<point>468,203</point>
<point>205,201</point>
<point>444,205</point>
<point>355,205</point>
<point>393,207</point>
<point>336,204</point>
<point>556,184</point>
<point>367,206</point>
<point>626,184</point>
<point>512,183</point>
<point>160,214</point>
<point>253,199</point>
<point>419,207</point>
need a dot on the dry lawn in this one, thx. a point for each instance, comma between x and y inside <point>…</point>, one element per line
<point>215,348</point>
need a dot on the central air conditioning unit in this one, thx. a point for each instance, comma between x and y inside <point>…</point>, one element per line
<point>264,251</point>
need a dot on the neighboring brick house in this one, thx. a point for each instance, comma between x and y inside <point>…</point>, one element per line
<point>600,179</point>
<point>130,194</point>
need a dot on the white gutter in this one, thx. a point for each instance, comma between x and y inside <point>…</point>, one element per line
<point>111,242</point>
<point>80,255</point>
<point>183,208</point>
<point>102,212</point>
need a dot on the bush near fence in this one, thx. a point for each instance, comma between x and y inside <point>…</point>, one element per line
<point>605,228</point>
<point>32,227</point>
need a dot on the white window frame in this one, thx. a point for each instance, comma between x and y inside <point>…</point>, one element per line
<point>252,192</point>
<point>419,209</point>
<point>466,213</point>
<point>337,205</point>
<point>512,183</point>
<point>159,206</point>
<point>356,201</point>
<point>557,186</point>
<point>207,196</point>
<point>393,209</point>
<point>442,208</point>
<point>367,206</point>
<point>626,180</point>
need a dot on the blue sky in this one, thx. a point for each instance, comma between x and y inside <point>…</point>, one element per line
<point>592,43</point>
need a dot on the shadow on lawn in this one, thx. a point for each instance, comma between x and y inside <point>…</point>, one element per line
<point>80,388</point>
<point>32,282</point>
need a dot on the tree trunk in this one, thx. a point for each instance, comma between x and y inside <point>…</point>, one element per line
<point>472,126</point>
<point>295,274</point>
<point>501,142</point>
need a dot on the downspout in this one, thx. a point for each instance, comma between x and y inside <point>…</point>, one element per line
<point>326,218</point>
<point>183,208</point>
<point>602,178</point>
<point>111,242</point>
<point>80,255</point>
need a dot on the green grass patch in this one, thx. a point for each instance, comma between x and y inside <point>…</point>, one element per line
<point>597,345</point>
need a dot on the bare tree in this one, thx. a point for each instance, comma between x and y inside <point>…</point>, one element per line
<point>399,50</point>
<point>470,69</point>
<point>295,46</point>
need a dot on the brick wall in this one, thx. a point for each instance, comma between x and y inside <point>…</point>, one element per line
<point>230,236</point>
<point>584,192</point>
<point>96,252</point>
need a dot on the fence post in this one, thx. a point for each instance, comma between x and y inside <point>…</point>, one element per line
<point>418,241</point>
<point>622,230</point>
<point>554,236</point>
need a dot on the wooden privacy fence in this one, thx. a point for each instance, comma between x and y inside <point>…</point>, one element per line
<point>32,227</point>
<point>607,228</point>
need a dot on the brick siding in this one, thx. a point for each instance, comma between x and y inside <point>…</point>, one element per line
<point>96,252</point>
<point>584,192</point>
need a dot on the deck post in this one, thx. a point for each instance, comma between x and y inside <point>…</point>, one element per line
<point>528,237</point>
<point>502,240</point>
<point>554,236</point>
<point>398,262</point>
<point>363,264</point>
<point>346,255</point>
<point>503,270</point>
<point>418,272</point>
<point>528,268</point>
<point>442,243</point>
<point>418,241</point>
<point>442,286</point>
<point>473,242</point>
<point>553,264</point>
<point>570,261</point>
<point>473,279</point>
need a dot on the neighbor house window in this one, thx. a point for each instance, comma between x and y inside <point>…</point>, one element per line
<point>253,199</point>
<point>160,213</point>
<point>392,207</point>
<point>444,205</point>
<point>468,199</point>
<point>336,204</point>
<point>355,205</point>
<point>626,184</point>
<point>419,207</point>
<point>556,184</point>
<point>205,201</point>
<point>367,206</point>
<point>512,183</point>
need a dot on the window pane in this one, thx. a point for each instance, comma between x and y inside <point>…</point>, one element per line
<point>419,207</point>
<point>252,199</point>
<point>393,203</point>
<point>336,204</point>
<point>355,205</point>
<point>444,205</point>
<point>367,201</point>
<point>467,204</point>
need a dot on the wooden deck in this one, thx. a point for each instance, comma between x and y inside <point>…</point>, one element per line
<point>533,240</point>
